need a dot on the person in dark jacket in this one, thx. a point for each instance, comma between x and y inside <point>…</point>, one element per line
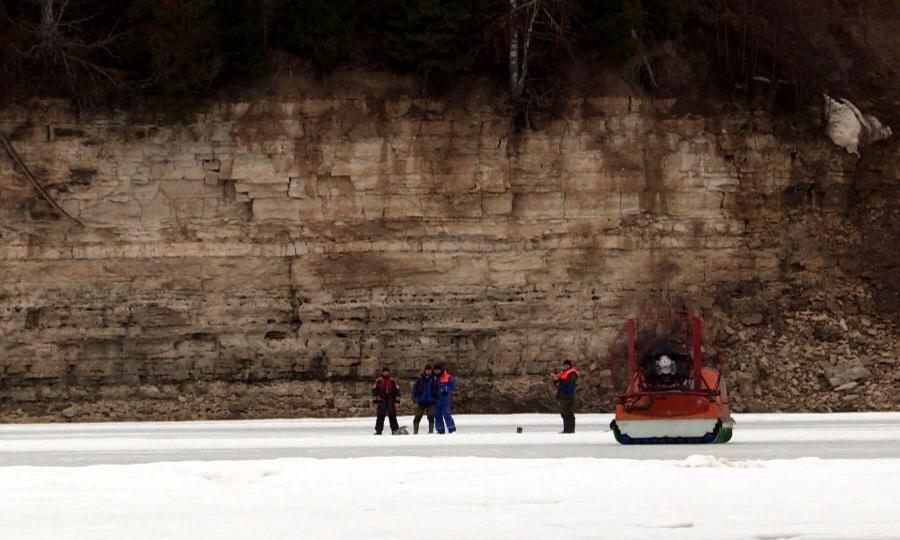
<point>446,385</point>
<point>425,392</point>
<point>566,382</point>
<point>385,395</point>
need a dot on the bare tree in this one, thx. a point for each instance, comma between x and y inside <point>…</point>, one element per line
<point>59,39</point>
<point>519,44</point>
<point>529,21</point>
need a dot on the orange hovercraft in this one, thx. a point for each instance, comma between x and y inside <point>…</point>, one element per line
<point>670,386</point>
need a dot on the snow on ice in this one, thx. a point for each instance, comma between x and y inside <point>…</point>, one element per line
<point>704,495</point>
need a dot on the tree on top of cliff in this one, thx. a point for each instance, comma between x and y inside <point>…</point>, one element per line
<point>540,37</point>
<point>531,37</point>
<point>616,28</point>
<point>181,47</point>
<point>64,39</point>
<point>796,49</point>
<point>433,37</point>
<point>179,44</point>
<point>5,23</point>
<point>4,14</point>
<point>622,31</point>
<point>607,25</point>
<point>241,37</point>
<point>664,18</point>
<point>322,32</point>
<point>535,48</point>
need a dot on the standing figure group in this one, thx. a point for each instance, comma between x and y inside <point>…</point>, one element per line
<point>431,393</point>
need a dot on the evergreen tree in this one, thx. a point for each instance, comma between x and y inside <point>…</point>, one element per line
<point>179,42</point>
<point>241,37</point>
<point>5,18</point>
<point>612,27</point>
<point>606,26</point>
<point>320,31</point>
<point>434,36</point>
<point>664,18</point>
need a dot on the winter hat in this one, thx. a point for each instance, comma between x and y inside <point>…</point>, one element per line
<point>567,363</point>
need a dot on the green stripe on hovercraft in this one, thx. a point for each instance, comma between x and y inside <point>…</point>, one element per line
<point>720,435</point>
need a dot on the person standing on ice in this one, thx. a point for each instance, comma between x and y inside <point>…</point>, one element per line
<point>385,395</point>
<point>425,392</point>
<point>446,385</point>
<point>566,382</point>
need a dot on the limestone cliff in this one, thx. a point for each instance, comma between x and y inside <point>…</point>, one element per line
<point>267,255</point>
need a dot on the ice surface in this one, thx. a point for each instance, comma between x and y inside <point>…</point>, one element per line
<point>705,493</point>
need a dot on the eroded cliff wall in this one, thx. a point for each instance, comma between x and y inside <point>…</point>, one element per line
<point>266,256</point>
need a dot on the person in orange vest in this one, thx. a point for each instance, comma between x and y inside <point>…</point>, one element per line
<point>566,381</point>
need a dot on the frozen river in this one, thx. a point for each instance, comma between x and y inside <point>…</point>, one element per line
<point>782,476</point>
<point>756,436</point>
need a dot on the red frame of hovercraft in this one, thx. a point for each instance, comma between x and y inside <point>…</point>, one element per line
<point>700,386</point>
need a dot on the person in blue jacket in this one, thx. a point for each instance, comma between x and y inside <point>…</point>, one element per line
<point>446,384</point>
<point>425,394</point>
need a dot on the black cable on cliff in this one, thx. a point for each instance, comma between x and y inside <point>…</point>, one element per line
<point>20,164</point>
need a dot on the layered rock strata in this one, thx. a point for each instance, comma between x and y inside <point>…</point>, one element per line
<point>266,257</point>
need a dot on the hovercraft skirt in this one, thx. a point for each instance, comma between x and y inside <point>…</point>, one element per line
<point>693,431</point>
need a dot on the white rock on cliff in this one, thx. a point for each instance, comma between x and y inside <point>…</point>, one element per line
<point>848,128</point>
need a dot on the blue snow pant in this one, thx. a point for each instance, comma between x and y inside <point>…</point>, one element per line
<point>442,415</point>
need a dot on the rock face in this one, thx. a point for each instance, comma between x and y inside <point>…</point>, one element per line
<point>268,256</point>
